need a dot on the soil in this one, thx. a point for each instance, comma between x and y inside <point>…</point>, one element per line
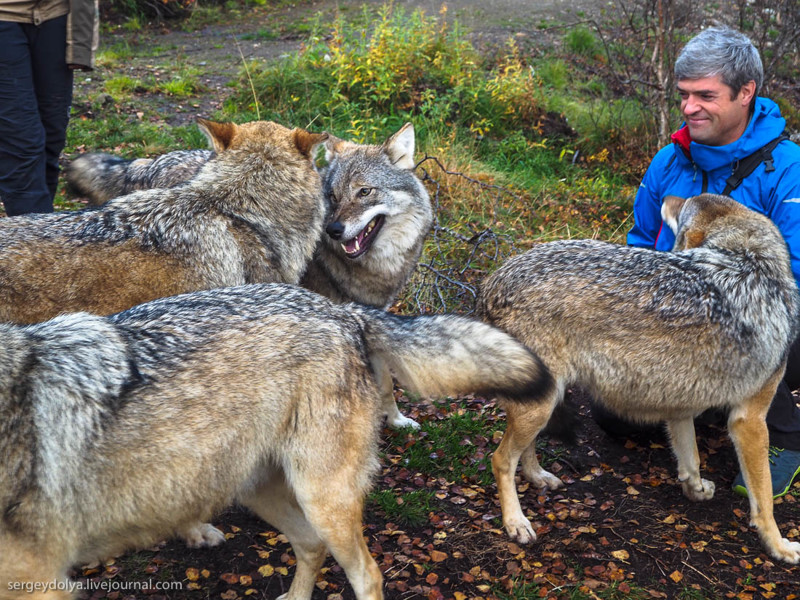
<point>619,528</point>
<point>220,49</point>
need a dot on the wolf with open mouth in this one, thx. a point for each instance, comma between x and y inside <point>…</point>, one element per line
<point>380,214</point>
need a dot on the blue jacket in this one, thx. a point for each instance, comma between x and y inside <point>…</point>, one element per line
<point>673,172</point>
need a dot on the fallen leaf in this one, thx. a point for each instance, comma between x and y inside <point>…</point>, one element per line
<point>437,556</point>
<point>621,554</point>
<point>266,570</point>
<point>676,576</point>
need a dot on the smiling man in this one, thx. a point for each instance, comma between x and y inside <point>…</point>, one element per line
<point>731,143</point>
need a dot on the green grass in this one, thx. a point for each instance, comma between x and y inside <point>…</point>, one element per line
<point>404,509</point>
<point>122,85</point>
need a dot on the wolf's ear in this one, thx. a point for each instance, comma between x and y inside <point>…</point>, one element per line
<point>670,210</point>
<point>219,135</point>
<point>692,238</point>
<point>307,141</point>
<point>400,147</point>
<point>334,146</point>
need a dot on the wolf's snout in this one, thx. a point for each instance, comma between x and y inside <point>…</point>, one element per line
<point>335,230</point>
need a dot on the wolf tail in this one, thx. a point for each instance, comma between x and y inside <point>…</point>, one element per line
<point>101,177</point>
<point>447,355</point>
<point>98,176</point>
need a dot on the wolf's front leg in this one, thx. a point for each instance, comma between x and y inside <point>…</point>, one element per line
<point>684,445</point>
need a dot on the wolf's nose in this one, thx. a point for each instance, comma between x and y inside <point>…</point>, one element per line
<point>335,230</point>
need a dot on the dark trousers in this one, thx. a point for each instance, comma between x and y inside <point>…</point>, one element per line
<point>35,100</point>
<point>783,418</point>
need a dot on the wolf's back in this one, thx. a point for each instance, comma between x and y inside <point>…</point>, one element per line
<point>447,355</point>
<point>101,177</point>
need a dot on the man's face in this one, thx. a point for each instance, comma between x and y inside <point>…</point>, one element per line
<point>713,117</point>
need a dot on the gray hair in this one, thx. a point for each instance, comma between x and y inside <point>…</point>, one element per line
<point>721,51</point>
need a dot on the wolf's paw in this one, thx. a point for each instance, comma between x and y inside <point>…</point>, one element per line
<point>519,529</point>
<point>203,535</point>
<point>697,492</point>
<point>543,479</point>
<point>787,551</point>
<point>400,421</point>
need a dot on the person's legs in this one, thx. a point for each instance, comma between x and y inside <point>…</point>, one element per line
<point>23,187</point>
<point>53,85</point>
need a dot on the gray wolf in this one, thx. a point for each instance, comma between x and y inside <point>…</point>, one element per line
<point>118,431</point>
<point>379,213</point>
<point>254,214</point>
<point>656,336</point>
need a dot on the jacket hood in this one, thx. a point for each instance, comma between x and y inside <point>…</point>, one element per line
<point>765,125</point>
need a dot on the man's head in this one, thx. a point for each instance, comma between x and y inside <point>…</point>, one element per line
<point>718,74</point>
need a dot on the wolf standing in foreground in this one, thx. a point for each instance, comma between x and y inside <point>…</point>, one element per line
<point>656,336</point>
<point>379,216</point>
<point>730,130</point>
<point>253,215</point>
<point>110,433</point>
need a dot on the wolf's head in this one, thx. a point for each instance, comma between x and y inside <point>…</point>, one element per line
<point>376,199</point>
<point>717,219</point>
<point>256,136</point>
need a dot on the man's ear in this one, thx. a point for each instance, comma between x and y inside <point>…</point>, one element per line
<point>747,93</point>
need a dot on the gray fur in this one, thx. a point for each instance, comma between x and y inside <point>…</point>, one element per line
<point>101,177</point>
<point>656,336</point>
<point>254,214</point>
<point>376,277</point>
<point>118,431</point>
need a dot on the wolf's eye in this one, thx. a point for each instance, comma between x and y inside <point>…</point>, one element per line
<point>365,191</point>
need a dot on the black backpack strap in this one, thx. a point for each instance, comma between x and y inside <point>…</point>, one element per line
<point>749,164</point>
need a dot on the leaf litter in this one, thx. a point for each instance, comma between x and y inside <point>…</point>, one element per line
<point>620,528</point>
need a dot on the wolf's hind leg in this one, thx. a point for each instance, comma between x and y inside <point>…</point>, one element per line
<point>275,503</point>
<point>31,573</point>
<point>748,430</point>
<point>684,445</point>
<point>336,517</point>
<point>524,423</point>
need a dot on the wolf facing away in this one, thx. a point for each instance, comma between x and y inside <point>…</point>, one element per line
<point>110,433</point>
<point>656,336</point>
<point>379,215</point>
<point>252,215</point>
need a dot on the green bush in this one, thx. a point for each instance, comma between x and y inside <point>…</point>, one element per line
<point>364,80</point>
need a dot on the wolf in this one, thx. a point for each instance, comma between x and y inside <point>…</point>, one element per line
<point>379,214</point>
<point>656,336</point>
<point>254,214</point>
<point>118,431</point>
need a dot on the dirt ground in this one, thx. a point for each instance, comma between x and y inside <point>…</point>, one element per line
<point>620,528</point>
<point>220,50</point>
